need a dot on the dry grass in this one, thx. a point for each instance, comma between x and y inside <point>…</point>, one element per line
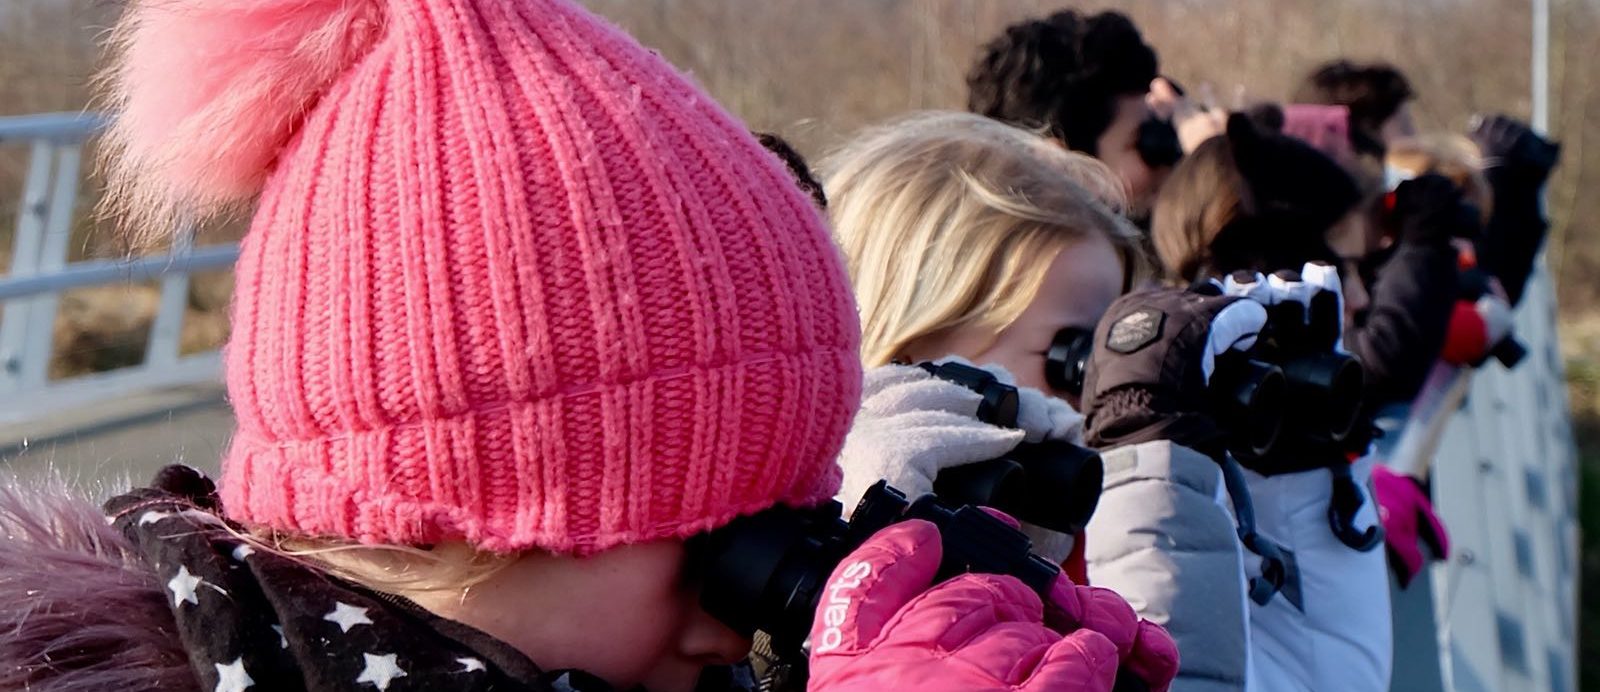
<point>816,70</point>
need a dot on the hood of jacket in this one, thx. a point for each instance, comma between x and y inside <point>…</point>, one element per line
<point>156,592</point>
<point>80,610</point>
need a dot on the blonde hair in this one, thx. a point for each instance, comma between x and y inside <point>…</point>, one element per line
<point>393,569</point>
<point>950,220</point>
<point>1452,156</point>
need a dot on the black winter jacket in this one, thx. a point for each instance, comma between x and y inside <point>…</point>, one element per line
<point>1400,336</point>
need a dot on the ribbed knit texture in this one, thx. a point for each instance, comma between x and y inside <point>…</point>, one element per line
<point>515,280</point>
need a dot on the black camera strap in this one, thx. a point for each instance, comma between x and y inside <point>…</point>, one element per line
<point>1279,572</point>
<point>1342,508</point>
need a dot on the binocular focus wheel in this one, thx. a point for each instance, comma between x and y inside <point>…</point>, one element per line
<point>999,404</point>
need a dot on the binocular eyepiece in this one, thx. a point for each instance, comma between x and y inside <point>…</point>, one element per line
<point>767,573</point>
<point>1066,364</point>
<point>1292,385</point>
<point>1051,484</point>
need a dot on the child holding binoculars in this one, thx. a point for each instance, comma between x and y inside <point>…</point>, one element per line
<point>520,312</point>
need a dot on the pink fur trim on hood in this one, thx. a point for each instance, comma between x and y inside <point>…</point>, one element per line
<point>80,611</point>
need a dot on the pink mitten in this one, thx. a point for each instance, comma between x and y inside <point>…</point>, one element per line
<point>1146,650</point>
<point>881,627</point>
<point>1408,517</point>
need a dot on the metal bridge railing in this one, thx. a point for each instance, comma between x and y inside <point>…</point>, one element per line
<point>30,291</point>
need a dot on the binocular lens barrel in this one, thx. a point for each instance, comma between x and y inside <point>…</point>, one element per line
<point>1327,389</point>
<point>1055,485</point>
<point>1251,398</point>
<point>992,483</point>
<point>1067,360</point>
<point>760,575</point>
<point>1063,485</point>
<point>767,572</point>
<point>1051,484</point>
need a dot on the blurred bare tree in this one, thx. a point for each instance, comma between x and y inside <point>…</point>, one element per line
<point>815,70</point>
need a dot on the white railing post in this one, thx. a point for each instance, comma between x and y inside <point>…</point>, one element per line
<point>30,294</point>
<point>25,260</point>
<point>166,335</point>
<point>40,336</point>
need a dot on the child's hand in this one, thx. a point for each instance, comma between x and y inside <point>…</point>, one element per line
<point>911,426</point>
<point>1409,522</point>
<point>1195,120</point>
<point>880,626</point>
<point>1154,354</point>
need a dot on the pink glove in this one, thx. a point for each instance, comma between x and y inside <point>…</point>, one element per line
<point>1147,651</point>
<point>881,627</point>
<point>1408,517</point>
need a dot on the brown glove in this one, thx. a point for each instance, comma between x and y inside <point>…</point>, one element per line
<point>1154,354</point>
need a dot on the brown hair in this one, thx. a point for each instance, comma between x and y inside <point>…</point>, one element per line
<point>1249,200</point>
<point>1204,195</point>
<point>803,175</point>
<point>1062,74</point>
<point>1373,93</point>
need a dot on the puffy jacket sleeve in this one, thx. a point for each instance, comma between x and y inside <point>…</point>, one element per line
<point>1163,538</point>
<point>1404,331</point>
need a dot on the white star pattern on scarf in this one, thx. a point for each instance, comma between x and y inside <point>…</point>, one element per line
<point>347,616</point>
<point>282,640</point>
<point>183,587</point>
<point>470,664</point>
<point>380,670</point>
<point>232,677</point>
<point>152,517</point>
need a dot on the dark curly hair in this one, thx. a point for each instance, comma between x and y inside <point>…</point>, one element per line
<point>1374,93</point>
<point>797,166</point>
<point>1062,74</point>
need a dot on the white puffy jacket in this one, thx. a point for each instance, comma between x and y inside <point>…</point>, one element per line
<point>1343,639</point>
<point>1164,537</point>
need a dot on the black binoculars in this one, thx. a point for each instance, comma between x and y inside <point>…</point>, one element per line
<point>767,573</point>
<point>1292,385</point>
<point>1050,484</point>
<point>1066,364</point>
<point>1157,143</point>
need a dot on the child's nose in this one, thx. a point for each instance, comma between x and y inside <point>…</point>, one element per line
<point>707,639</point>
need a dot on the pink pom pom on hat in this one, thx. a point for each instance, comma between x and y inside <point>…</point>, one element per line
<point>511,277</point>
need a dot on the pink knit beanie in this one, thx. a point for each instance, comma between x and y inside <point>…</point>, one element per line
<point>511,277</point>
<point>1325,128</point>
